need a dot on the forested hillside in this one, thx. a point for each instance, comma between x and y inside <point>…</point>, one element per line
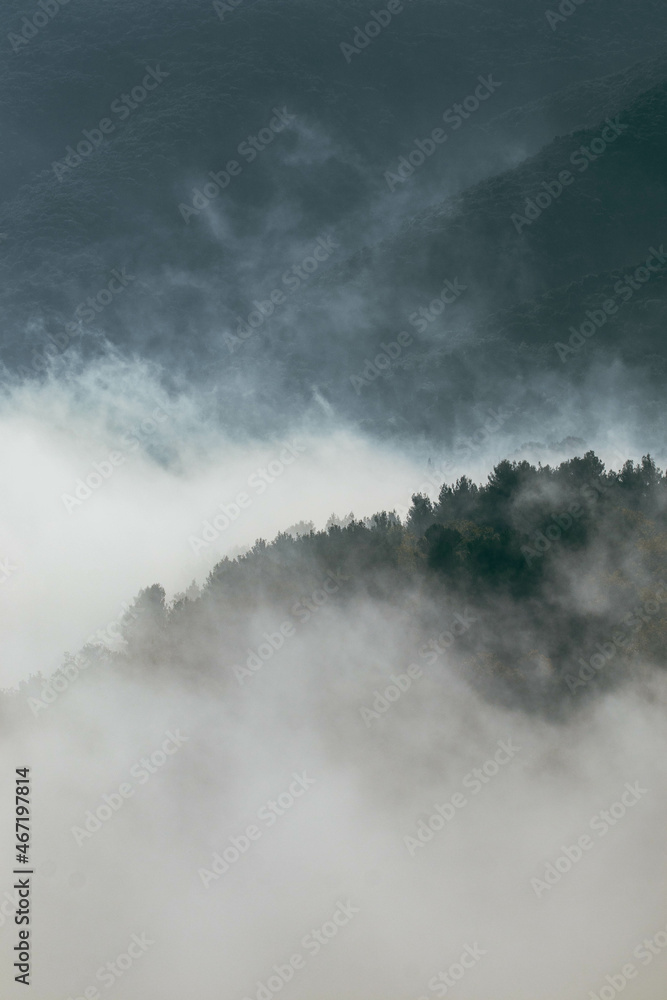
<point>547,583</point>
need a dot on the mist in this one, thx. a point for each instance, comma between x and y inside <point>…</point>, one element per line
<point>198,861</point>
<point>333,513</point>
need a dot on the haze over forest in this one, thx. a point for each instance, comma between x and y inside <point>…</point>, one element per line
<point>333,513</point>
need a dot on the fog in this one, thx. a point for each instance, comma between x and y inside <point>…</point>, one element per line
<point>320,687</point>
<point>149,868</point>
<point>77,553</point>
<point>162,470</point>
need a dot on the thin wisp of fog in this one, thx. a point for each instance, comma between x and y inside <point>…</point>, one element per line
<point>333,505</point>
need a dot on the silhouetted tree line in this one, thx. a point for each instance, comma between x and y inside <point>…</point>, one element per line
<point>549,560</point>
